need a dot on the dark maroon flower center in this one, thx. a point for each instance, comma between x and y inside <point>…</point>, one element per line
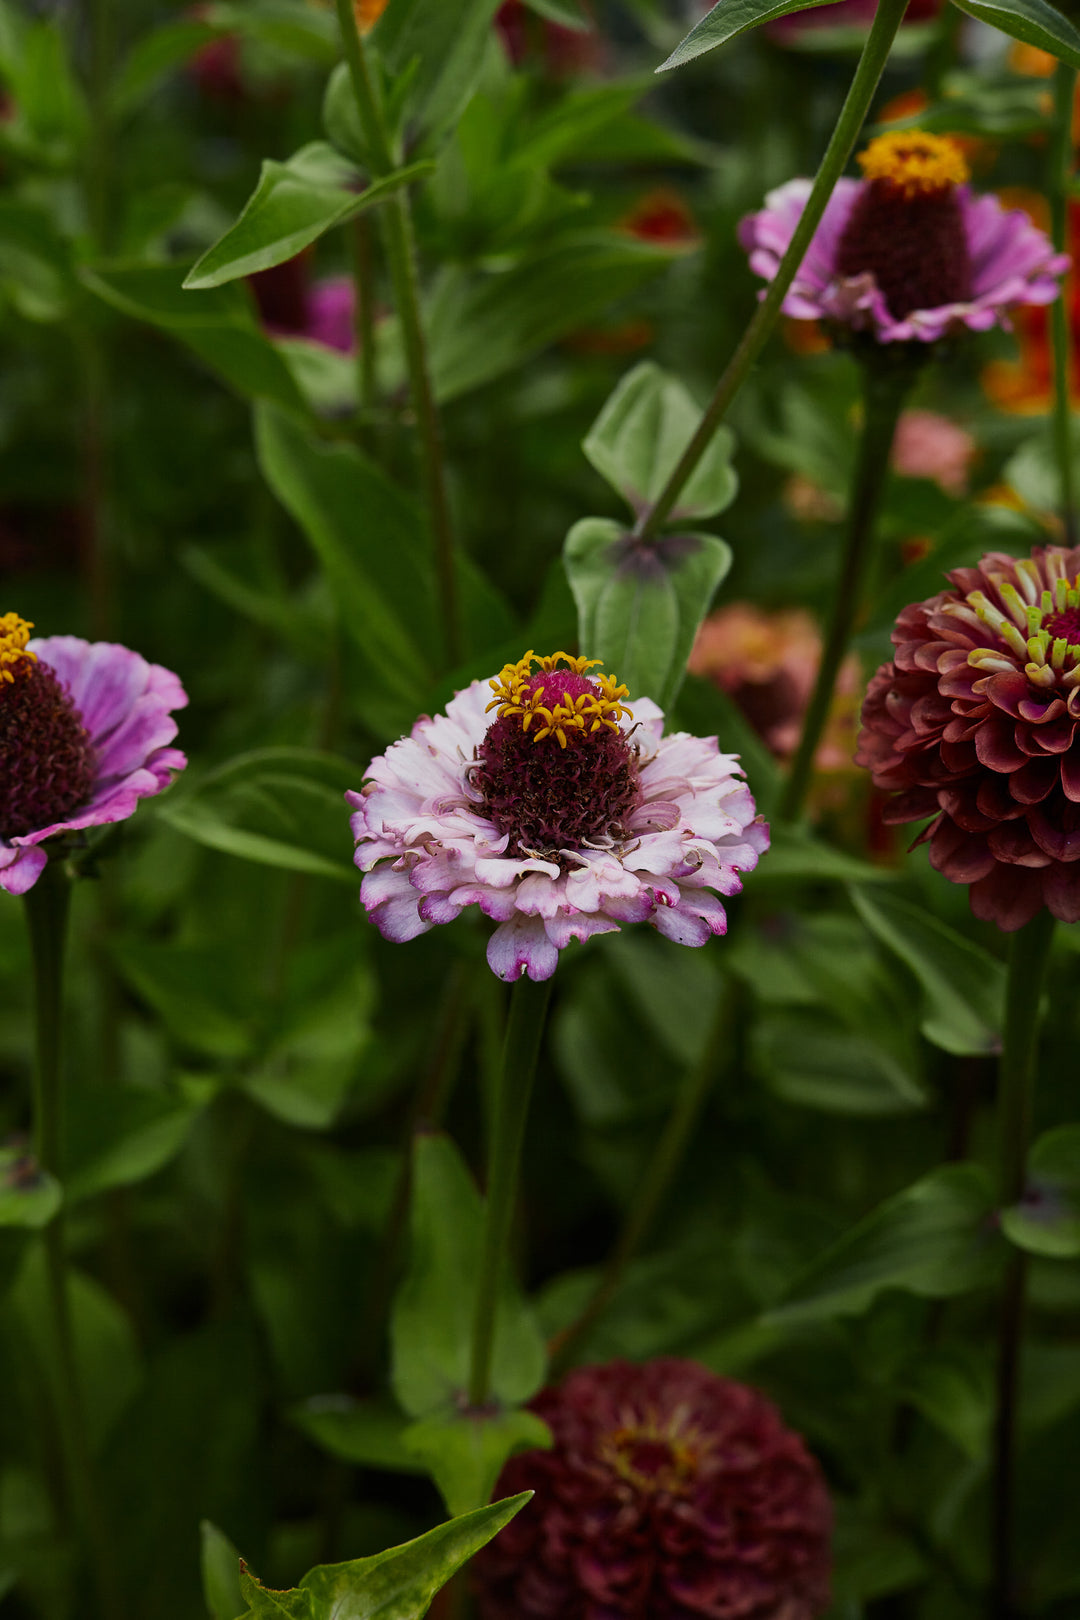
<point>649,1461</point>
<point>46,758</point>
<point>570,789</point>
<point>915,246</point>
<point>1065,626</point>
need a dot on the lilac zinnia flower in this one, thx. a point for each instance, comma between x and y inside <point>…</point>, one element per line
<point>562,818</point>
<point>909,252</point>
<point>330,320</point>
<point>84,729</point>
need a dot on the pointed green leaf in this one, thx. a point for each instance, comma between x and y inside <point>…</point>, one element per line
<point>643,429</point>
<point>639,607</point>
<point>293,204</point>
<point>963,985</point>
<point>1032,21</point>
<point>934,1239</point>
<point>431,1325</point>
<point>1047,1219</point>
<point>398,1584</point>
<point>726,21</point>
<point>465,1451</point>
<point>220,1574</point>
<point>200,822</point>
<point>368,1432</point>
<point>443,46</point>
<point>125,1135</point>
<point>220,327</point>
<point>151,59</point>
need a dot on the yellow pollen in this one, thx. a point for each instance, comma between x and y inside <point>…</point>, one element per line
<point>586,712</point>
<point>915,163</point>
<point>14,634</point>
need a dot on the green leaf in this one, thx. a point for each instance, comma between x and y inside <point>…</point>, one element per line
<point>398,1584</point>
<point>293,204</point>
<point>35,263</point>
<point>566,13</point>
<point>150,60</point>
<point>639,606</point>
<point>220,327</point>
<point>29,1196</point>
<point>797,855</point>
<point>1032,21</point>
<point>954,1389</point>
<point>121,1135</point>
<point>431,1325</point>
<point>727,20</point>
<point>935,1239</point>
<point>819,1064</point>
<point>370,540</point>
<point>1047,1218</point>
<point>443,48</point>
<point>201,823</point>
<point>482,325</point>
<point>963,985</point>
<point>643,429</point>
<point>293,27</point>
<point>465,1451</point>
<point>220,1573</point>
<point>366,1432</point>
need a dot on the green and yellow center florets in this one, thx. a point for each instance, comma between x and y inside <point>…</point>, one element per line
<point>1039,627</point>
<point>46,758</point>
<point>556,770</point>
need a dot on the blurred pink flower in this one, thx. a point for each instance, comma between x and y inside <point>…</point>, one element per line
<point>668,1494</point>
<point>909,252</point>
<point>84,734</point>
<point>562,818</point>
<point>291,305</point>
<point>767,662</point>
<point>930,446</point>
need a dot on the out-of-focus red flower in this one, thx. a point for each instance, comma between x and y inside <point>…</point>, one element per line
<point>292,305</point>
<point>669,1494</point>
<point>565,53</point>
<point>217,70</point>
<point>662,219</point>
<point>767,663</point>
<point>974,723</point>
<point>1025,386</point>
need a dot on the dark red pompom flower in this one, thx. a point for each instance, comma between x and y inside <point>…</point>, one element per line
<point>975,723</point>
<point>669,1494</point>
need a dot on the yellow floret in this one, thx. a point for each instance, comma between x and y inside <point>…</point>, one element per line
<point>14,634</point>
<point>916,163</point>
<point>586,712</point>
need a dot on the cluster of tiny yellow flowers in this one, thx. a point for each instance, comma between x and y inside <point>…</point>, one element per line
<point>1050,660</point>
<point>14,634</point>
<point>587,712</point>
<point>915,163</point>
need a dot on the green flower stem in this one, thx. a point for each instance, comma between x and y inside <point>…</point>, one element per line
<point>1060,161</point>
<point>853,113</point>
<point>47,906</point>
<point>887,381</point>
<point>1028,957</point>
<point>656,1183</point>
<point>404,275</point>
<point>524,1031</point>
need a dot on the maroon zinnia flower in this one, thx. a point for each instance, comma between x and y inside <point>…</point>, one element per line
<point>669,1494</point>
<point>974,723</point>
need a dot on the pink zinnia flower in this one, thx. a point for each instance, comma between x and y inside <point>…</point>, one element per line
<point>909,252</point>
<point>930,446</point>
<point>84,729</point>
<point>668,1494</point>
<point>974,723</point>
<point>565,816</point>
<point>331,313</point>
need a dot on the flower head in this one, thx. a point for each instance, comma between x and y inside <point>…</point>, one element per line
<point>768,662</point>
<point>908,253</point>
<point>974,723</point>
<point>931,446</point>
<point>668,1493</point>
<point>84,728</point>
<point>565,816</point>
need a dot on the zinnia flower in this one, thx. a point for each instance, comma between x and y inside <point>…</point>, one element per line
<point>668,1494</point>
<point>909,252</point>
<point>563,817</point>
<point>928,445</point>
<point>974,723</point>
<point>84,728</point>
<point>767,663</point>
<point>1025,386</point>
